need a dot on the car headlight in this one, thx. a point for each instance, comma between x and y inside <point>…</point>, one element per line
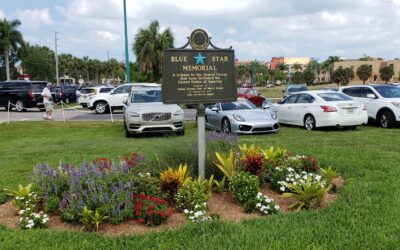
<point>132,112</point>
<point>273,115</point>
<point>178,112</point>
<point>397,104</point>
<point>238,118</point>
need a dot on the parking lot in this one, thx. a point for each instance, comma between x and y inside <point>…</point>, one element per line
<point>73,115</point>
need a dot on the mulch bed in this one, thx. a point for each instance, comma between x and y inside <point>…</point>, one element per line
<point>222,204</point>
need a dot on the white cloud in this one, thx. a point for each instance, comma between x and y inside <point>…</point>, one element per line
<point>2,15</point>
<point>230,31</point>
<point>107,35</point>
<point>35,17</point>
<point>333,18</point>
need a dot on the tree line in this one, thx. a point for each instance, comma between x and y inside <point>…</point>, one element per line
<point>148,46</point>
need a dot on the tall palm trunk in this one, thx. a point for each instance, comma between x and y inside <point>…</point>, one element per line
<point>7,64</point>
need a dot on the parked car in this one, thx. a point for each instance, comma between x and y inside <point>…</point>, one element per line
<point>242,117</point>
<point>294,88</point>
<point>252,95</point>
<point>144,112</point>
<point>382,101</point>
<point>22,94</point>
<point>65,93</point>
<point>88,93</point>
<point>314,109</point>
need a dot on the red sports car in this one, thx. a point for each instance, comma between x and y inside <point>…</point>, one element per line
<point>251,95</point>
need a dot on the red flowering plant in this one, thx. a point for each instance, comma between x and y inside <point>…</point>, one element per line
<point>309,164</point>
<point>102,163</point>
<point>132,160</point>
<point>149,210</point>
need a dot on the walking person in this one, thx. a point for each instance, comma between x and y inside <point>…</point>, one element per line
<point>47,101</point>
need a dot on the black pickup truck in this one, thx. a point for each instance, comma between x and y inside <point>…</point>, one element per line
<point>22,94</point>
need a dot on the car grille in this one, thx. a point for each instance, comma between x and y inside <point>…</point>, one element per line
<point>156,116</point>
<point>161,129</point>
<point>262,129</point>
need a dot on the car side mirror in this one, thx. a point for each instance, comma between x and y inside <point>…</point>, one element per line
<point>125,101</point>
<point>214,109</point>
<point>371,96</point>
<point>280,102</point>
<point>266,105</point>
<point>112,93</point>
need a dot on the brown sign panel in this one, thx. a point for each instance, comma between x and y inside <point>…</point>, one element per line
<point>198,76</point>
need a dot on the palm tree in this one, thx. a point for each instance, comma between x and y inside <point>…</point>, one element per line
<point>149,46</point>
<point>327,65</point>
<point>10,39</point>
<point>297,67</point>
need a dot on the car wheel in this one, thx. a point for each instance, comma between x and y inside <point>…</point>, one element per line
<point>20,106</point>
<point>127,133</point>
<point>386,119</point>
<point>226,126</point>
<point>309,122</point>
<point>101,107</point>
<point>180,133</point>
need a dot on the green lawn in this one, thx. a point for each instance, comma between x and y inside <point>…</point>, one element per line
<point>276,92</point>
<point>366,216</point>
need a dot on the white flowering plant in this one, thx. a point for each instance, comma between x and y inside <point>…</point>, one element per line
<point>266,205</point>
<point>198,213</point>
<point>297,178</point>
<point>30,219</point>
<point>23,197</point>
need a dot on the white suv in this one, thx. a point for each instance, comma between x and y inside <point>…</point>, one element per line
<point>88,93</point>
<point>144,112</point>
<point>382,101</point>
<point>101,103</point>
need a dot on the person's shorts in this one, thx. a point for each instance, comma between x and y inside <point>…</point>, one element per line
<point>48,106</point>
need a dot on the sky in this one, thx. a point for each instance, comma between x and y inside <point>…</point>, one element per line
<point>256,29</point>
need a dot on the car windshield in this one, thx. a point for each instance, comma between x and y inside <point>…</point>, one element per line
<point>388,91</point>
<point>239,105</point>
<point>334,97</point>
<point>297,89</point>
<point>87,91</point>
<point>143,96</point>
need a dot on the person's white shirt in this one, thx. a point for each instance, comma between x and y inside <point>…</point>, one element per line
<point>46,93</point>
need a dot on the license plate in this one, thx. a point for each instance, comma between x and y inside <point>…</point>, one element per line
<point>350,111</point>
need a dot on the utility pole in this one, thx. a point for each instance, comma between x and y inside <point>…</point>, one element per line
<point>56,55</point>
<point>127,71</point>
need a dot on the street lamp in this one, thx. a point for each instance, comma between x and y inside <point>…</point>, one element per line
<point>127,67</point>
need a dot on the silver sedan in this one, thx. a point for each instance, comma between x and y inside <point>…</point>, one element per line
<point>241,117</point>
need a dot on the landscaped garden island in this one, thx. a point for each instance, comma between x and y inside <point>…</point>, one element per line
<point>136,194</point>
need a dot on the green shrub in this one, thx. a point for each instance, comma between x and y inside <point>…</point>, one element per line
<point>145,184</point>
<point>308,194</point>
<point>51,204</point>
<point>69,216</point>
<point>91,220</point>
<point>244,186</point>
<point>192,193</point>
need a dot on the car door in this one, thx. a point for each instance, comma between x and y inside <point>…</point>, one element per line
<point>213,116</point>
<point>285,108</point>
<point>118,95</point>
<point>302,106</point>
<point>360,94</point>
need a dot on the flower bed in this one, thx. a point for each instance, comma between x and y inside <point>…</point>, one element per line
<point>106,195</point>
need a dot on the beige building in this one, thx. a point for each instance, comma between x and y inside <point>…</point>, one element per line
<point>290,61</point>
<point>376,65</point>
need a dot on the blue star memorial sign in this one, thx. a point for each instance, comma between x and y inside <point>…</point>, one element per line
<point>199,59</point>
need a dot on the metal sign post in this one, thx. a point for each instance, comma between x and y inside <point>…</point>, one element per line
<point>199,76</point>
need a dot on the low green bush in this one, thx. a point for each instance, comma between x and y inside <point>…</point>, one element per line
<point>244,186</point>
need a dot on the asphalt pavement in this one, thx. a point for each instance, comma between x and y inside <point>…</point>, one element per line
<point>72,115</point>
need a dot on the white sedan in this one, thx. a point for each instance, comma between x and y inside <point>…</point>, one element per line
<point>313,109</point>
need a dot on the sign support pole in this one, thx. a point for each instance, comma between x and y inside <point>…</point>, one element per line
<point>201,137</point>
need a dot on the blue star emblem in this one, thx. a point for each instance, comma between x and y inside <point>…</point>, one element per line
<point>199,59</point>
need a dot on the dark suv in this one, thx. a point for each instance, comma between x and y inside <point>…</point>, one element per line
<point>66,93</point>
<point>22,94</point>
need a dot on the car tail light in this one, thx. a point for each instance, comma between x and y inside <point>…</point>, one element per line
<point>31,95</point>
<point>61,94</point>
<point>328,109</point>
